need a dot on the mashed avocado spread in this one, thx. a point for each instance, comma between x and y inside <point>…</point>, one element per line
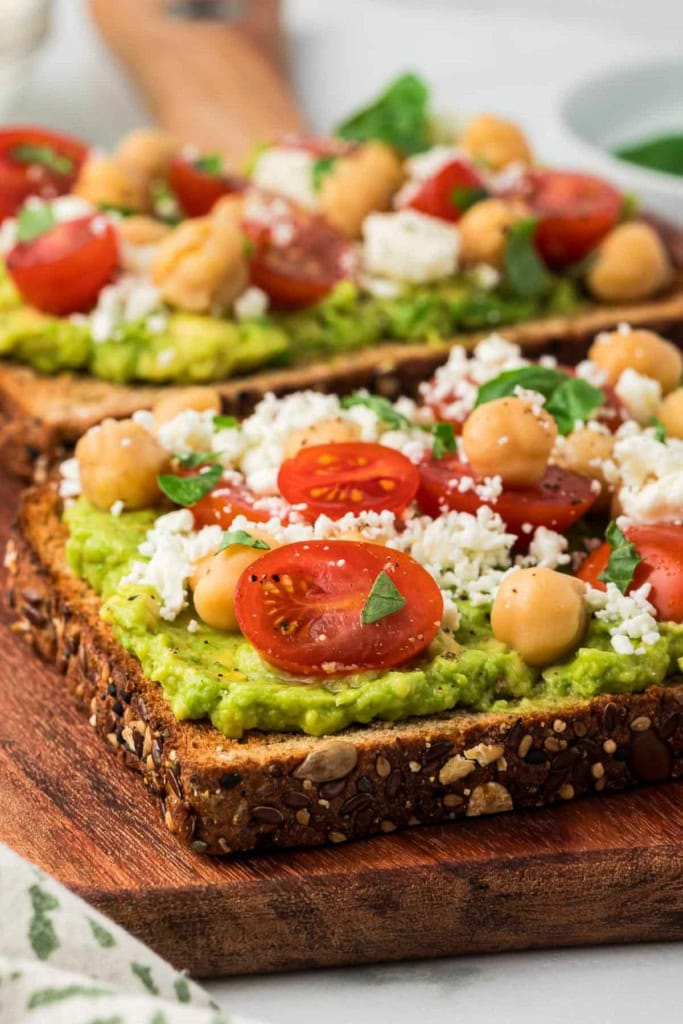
<point>194,349</point>
<point>220,676</point>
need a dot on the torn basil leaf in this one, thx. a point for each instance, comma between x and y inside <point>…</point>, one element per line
<point>567,399</point>
<point>247,540</point>
<point>623,559</point>
<point>660,429</point>
<point>525,271</point>
<point>188,490</point>
<point>34,220</point>
<point>44,155</point>
<point>463,196</point>
<point>384,599</point>
<point>222,422</point>
<point>399,117</point>
<point>320,168</point>
<point>192,460</point>
<point>382,408</point>
<point>210,163</point>
<point>444,439</point>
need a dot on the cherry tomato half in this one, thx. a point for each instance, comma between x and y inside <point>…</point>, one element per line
<point>558,500</point>
<point>196,189</point>
<point>661,550</point>
<point>352,476</point>
<point>575,212</point>
<point>63,270</point>
<point>36,162</point>
<point>224,503</point>
<point>448,192</point>
<point>297,257</point>
<point>300,606</point>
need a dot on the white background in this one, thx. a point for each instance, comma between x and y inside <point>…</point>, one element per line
<point>516,57</point>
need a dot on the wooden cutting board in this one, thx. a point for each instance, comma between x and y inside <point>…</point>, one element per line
<point>606,869</point>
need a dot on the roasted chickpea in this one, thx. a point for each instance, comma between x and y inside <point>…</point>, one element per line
<point>585,451</point>
<point>119,460</point>
<point>670,413</point>
<point>142,230</point>
<point>631,263</point>
<point>147,152</point>
<point>215,579</point>
<point>358,184</point>
<point>511,438</point>
<point>105,181</point>
<point>324,432</point>
<point>495,142</point>
<point>643,351</point>
<point>199,399</point>
<point>484,231</point>
<point>541,614</point>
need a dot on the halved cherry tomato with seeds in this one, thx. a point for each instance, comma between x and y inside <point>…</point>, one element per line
<point>300,606</point>
<point>661,550</point>
<point>449,192</point>
<point>196,189</point>
<point>36,162</point>
<point>226,502</point>
<point>63,270</point>
<point>558,500</point>
<point>352,476</point>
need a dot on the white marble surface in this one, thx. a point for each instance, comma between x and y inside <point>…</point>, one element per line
<point>519,61</point>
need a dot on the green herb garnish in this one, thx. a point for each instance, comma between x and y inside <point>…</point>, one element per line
<point>567,399</point>
<point>525,271</point>
<point>187,490</point>
<point>222,422</point>
<point>623,560</point>
<point>660,429</point>
<point>399,117</point>
<point>123,211</point>
<point>463,196</point>
<point>44,155</point>
<point>444,440</point>
<point>191,460</point>
<point>247,540</point>
<point>381,407</point>
<point>210,163</point>
<point>384,599</point>
<point>321,167</point>
<point>664,153</point>
<point>34,220</point>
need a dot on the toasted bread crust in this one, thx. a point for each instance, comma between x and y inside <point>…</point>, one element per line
<point>44,416</point>
<point>222,796</point>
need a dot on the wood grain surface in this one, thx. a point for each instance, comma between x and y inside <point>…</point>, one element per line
<point>608,869</point>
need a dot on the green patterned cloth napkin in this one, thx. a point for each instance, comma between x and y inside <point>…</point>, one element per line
<point>62,962</point>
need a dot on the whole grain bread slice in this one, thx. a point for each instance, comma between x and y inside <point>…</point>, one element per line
<point>223,796</point>
<point>42,417</point>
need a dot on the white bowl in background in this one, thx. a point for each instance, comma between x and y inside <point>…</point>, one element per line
<point>626,105</point>
<point>23,26</point>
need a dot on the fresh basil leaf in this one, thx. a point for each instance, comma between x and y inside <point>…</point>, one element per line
<point>532,378</point>
<point>384,599</point>
<point>444,439</point>
<point>525,270</point>
<point>210,163</point>
<point>573,400</point>
<point>247,540</point>
<point>222,422</point>
<point>630,206</point>
<point>623,560</point>
<point>321,167</point>
<point>187,490</point>
<point>123,211</point>
<point>44,155</point>
<point>191,460</point>
<point>663,153</point>
<point>34,220</point>
<point>463,196</point>
<point>381,407</point>
<point>660,429</point>
<point>399,117</point>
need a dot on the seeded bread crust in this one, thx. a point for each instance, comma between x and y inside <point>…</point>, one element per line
<point>42,417</point>
<point>223,796</point>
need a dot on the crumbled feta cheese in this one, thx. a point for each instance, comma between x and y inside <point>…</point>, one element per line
<point>485,276</point>
<point>651,475</point>
<point>628,617</point>
<point>455,384</point>
<point>547,549</point>
<point>379,287</point>
<point>192,626</point>
<point>117,508</point>
<point>189,431</point>
<point>409,246</point>
<point>289,172</point>
<point>641,395</point>
<point>251,303</point>
<point>70,481</point>
<point>592,373</point>
<point>127,300</point>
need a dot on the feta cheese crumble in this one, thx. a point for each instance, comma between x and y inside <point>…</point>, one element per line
<point>129,299</point>
<point>251,303</point>
<point>288,171</point>
<point>640,394</point>
<point>651,475</point>
<point>630,619</point>
<point>409,246</point>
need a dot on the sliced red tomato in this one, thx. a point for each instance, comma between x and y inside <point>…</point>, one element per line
<point>558,500</point>
<point>575,211</point>
<point>63,270</point>
<point>196,189</point>
<point>300,606</point>
<point>36,162</point>
<point>297,257</point>
<point>661,550</point>
<point>449,192</point>
<point>225,502</point>
<point>353,476</point>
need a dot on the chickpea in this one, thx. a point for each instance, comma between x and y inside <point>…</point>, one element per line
<point>510,438</point>
<point>585,451</point>
<point>541,614</point>
<point>171,405</point>
<point>643,351</point>
<point>215,579</point>
<point>142,230</point>
<point>358,184</point>
<point>104,181</point>
<point>670,413</point>
<point>324,432</point>
<point>119,461</point>
<point>147,152</point>
<point>495,142</point>
<point>201,264</point>
<point>484,230</point>
<point>631,263</point>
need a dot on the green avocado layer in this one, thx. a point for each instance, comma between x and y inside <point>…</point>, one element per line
<point>216,675</point>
